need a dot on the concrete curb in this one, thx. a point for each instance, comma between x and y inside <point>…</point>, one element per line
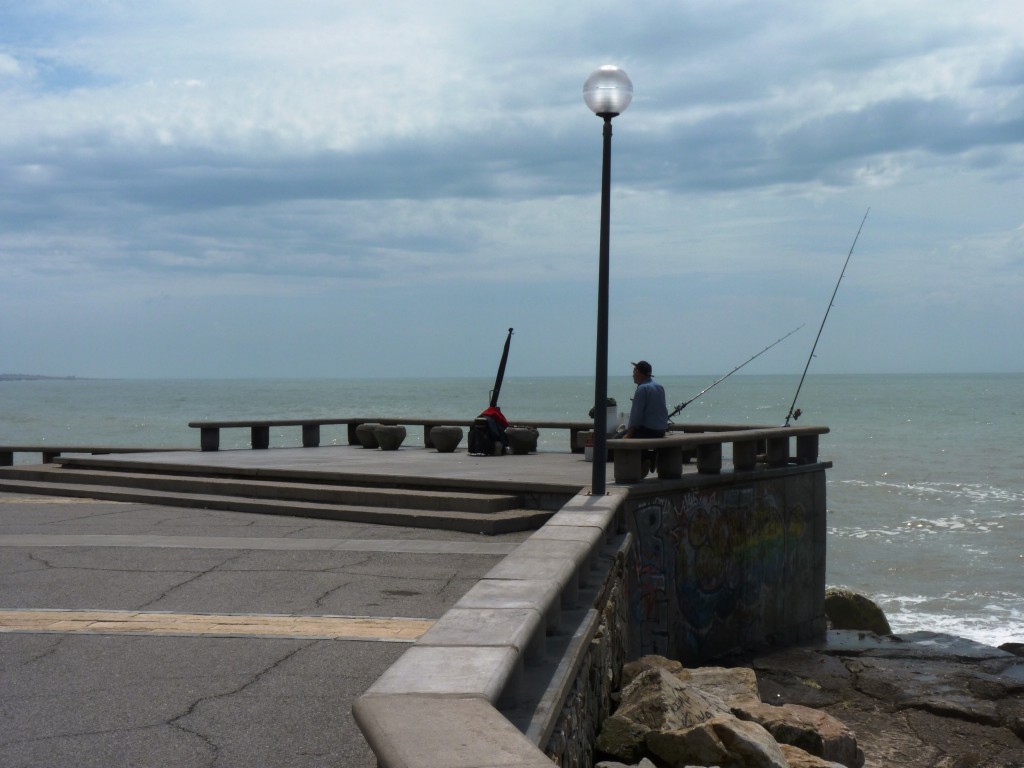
<point>436,706</point>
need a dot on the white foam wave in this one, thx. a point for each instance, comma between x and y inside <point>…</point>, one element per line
<point>991,619</point>
<point>978,493</point>
<point>965,522</point>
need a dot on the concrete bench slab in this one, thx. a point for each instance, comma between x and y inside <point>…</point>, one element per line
<point>669,450</point>
<point>450,671</point>
<point>543,559</point>
<point>584,510</point>
<point>535,594</point>
<point>518,628</point>
<point>520,568</point>
<point>579,518</point>
<point>565,563</point>
<point>423,732</point>
<point>587,535</point>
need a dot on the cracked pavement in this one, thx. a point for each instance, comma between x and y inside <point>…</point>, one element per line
<point>92,699</point>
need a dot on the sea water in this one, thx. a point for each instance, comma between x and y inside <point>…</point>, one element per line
<point>925,496</point>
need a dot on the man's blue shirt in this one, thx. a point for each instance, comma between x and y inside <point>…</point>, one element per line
<point>649,407</point>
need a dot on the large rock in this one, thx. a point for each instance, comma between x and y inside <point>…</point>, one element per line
<point>686,717</point>
<point>846,609</point>
<point>750,744</point>
<point>622,738</point>
<point>804,676</point>
<point>1017,649</point>
<point>654,701</point>
<point>797,758</point>
<point>813,731</point>
<point>697,745</point>
<point>919,700</point>
<point>733,685</point>
<point>724,741</point>
<point>631,669</point>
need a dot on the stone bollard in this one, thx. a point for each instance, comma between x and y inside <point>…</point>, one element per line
<point>365,435</point>
<point>446,439</point>
<point>522,440</point>
<point>389,437</point>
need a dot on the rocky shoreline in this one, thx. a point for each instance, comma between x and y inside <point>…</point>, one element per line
<point>920,700</point>
<point>917,700</point>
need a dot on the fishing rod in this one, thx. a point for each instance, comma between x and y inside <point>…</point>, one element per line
<point>680,407</point>
<point>501,372</point>
<point>796,414</point>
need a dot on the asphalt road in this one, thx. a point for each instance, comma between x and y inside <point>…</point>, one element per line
<point>139,635</point>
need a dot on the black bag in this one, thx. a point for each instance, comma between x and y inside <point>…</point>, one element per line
<point>485,437</point>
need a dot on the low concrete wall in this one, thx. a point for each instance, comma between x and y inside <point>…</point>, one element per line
<point>713,567</point>
<point>521,671</point>
<point>590,683</point>
<point>498,676</point>
<point>729,565</point>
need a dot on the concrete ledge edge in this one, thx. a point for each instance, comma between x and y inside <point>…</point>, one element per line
<point>419,714</point>
<point>408,731</point>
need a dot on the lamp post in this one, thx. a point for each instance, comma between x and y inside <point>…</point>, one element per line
<point>607,92</point>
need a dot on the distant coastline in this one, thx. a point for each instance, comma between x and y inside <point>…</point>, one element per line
<point>34,377</point>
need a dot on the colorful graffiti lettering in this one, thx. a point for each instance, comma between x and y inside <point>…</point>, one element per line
<point>714,567</point>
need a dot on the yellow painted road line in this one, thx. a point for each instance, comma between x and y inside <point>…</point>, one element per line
<point>396,630</point>
<point>5,499</point>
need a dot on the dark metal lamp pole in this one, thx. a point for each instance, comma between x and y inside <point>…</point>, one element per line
<point>607,92</point>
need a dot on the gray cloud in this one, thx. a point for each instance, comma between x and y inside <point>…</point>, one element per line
<point>205,151</point>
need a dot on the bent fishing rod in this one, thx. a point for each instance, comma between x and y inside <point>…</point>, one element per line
<point>796,414</point>
<point>501,372</point>
<point>680,407</point>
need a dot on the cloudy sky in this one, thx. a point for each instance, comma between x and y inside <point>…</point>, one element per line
<point>331,188</point>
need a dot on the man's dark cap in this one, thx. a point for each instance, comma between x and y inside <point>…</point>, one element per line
<point>644,367</point>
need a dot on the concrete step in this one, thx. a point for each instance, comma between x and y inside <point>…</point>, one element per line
<point>281,490</point>
<point>492,523</point>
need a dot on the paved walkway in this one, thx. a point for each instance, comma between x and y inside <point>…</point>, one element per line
<point>140,635</point>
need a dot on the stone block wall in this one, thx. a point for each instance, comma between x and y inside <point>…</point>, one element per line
<point>727,566</point>
<point>589,700</point>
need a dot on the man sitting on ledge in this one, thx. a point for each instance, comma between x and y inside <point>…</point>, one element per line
<point>649,415</point>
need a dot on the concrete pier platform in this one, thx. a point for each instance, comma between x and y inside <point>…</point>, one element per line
<point>145,635</point>
<point>412,486</point>
<point>248,607</point>
<point>556,471</point>
<point>148,634</point>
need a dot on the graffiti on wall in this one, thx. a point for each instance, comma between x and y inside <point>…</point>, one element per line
<point>713,567</point>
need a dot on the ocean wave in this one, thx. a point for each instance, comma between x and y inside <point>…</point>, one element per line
<point>989,618</point>
<point>951,509</point>
<point>924,527</point>
<point>978,493</point>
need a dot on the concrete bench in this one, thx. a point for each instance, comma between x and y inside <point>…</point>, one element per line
<point>50,452</point>
<point>747,444</point>
<point>209,431</point>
